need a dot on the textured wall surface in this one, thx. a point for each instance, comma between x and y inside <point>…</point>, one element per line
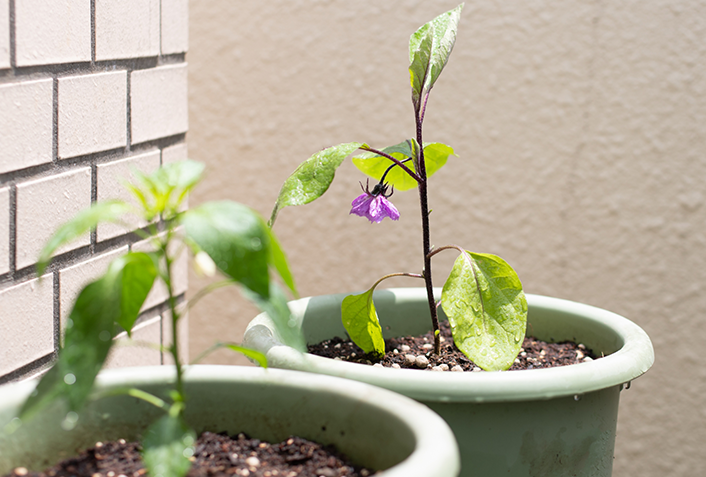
<point>579,131</point>
<point>88,91</point>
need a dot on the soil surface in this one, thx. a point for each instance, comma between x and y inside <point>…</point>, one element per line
<point>417,352</point>
<point>215,455</point>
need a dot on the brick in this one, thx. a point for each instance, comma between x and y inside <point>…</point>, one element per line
<point>4,34</point>
<point>175,153</point>
<point>50,32</point>
<point>45,204</point>
<point>175,26</point>
<point>74,278</point>
<point>180,274</point>
<point>125,353</point>
<point>4,230</point>
<point>127,29</point>
<point>159,102</point>
<point>92,113</point>
<point>111,177</point>
<point>26,124</point>
<point>26,323</point>
<point>183,333</point>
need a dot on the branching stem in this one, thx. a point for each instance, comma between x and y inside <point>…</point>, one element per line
<point>397,162</point>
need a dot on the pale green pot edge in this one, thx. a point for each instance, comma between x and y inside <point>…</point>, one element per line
<point>373,426</point>
<point>318,318</point>
<point>544,422</point>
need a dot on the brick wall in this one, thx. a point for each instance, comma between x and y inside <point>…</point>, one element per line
<point>89,90</point>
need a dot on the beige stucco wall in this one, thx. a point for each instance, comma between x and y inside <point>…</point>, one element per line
<point>582,161</point>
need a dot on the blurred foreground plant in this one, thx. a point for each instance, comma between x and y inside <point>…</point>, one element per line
<point>221,235</point>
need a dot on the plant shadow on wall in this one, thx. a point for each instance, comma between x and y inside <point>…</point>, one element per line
<point>221,235</point>
<point>482,296</point>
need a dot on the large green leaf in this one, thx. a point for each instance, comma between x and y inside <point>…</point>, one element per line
<point>487,309</point>
<point>236,238</point>
<point>373,165</point>
<point>361,322</point>
<point>429,50</point>
<point>167,446</point>
<point>116,297</point>
<point>313,177</point>
<point>83,222</point>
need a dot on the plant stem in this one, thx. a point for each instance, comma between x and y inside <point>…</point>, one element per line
<point>174,348</point>
<point>426,242</point>
<point>396,161</point>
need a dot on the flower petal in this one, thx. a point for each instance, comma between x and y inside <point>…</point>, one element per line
<point>388,209</point>
<point>361,204</point>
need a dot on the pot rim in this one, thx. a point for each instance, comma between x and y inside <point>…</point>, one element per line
<point>634,358</point>
<point>431,433</point>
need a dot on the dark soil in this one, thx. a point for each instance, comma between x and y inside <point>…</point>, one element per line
<point>215,455</point>
<point>416,352</point>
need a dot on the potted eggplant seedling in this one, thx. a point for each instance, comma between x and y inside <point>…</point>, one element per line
<point>166,408</point>
<point>553,421</point>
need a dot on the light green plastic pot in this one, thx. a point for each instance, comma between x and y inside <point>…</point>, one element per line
<point>543,422</point>
<point>373,427</point>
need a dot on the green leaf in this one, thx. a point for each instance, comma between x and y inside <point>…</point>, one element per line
<point>373,165</point>
<point>136,278</point>
<point>429,50</point>
<point>116,297</point>
<point>420,47</point>
<point>487,309</point>
<point>312,178</point>
<point>163,191</point>
<point>83,222</point>
<point>250,353</point>
<point>361,322</point>
<point>236,238</point>
<point>445,28</point>
<point>167,446</point>
<point>279,261</point>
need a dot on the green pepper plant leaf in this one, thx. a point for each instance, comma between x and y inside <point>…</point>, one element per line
<point>312,178</point>
<point>487,309</point>
<point>375,165</point>
<point>361,322</point>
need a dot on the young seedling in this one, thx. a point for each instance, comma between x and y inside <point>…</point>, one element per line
<point>482,297</point>
<point>220,235</point>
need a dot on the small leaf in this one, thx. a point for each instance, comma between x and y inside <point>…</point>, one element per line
<point>237,240</point>
<point>279,261</point>
<point>167,446</point>
<point>373,165</point>
<point>420,47</point>
<point>429,50</point>
<point>445,27</point>
<point>163,191</point>
<point>312,178</point>
<point>250,353</point>
<point>487,309</point>
<point>361,322</point>
<point>83,222</point>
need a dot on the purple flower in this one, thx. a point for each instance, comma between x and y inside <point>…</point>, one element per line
<point>374,205</point>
